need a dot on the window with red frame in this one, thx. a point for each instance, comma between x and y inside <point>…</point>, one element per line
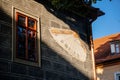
<point>26,38</point>
<point>115,47</point>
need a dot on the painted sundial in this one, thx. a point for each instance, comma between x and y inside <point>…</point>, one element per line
<point>69,41</point>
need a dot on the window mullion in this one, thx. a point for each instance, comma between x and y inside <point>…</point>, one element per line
<point>26,38</point>
<point>36,40</point>
<point>16,34</point>
<point>35,46</point>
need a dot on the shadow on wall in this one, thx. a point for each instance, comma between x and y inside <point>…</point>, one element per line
<point>5,35</point>
<point>76,23</point>
<point>53,67</point>
<point>62,68</point>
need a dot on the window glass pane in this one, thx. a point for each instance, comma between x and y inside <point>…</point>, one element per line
<point>21,20</point>
<point>31,23</point>
<point>32,45</point>
<point>117,48</point>
<point>21,39</point>
<point>112,48</point>
<point>26,48</point>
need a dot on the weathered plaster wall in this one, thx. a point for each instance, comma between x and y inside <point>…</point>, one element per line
<point>56,62</point>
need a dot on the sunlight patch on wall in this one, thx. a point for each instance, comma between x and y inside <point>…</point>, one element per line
<point>99,70</point>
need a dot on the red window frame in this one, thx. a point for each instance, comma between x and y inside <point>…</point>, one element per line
<point>30,34</point>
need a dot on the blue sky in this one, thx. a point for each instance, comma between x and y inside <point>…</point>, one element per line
<point>108,23</point>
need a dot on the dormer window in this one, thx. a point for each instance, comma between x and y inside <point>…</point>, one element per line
<point>115,47</point>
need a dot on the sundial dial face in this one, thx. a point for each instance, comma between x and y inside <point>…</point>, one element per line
<point>69,41</point>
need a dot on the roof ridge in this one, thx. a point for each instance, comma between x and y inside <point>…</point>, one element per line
<point>107,36</point>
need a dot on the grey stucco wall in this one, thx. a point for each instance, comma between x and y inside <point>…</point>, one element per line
<point>56,63</point>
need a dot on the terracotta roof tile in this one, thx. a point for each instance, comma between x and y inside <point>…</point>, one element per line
<point>102,48</point>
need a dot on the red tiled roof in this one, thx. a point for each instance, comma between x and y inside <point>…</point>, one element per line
<point>102,48</point>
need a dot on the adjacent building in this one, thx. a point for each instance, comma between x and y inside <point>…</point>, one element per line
<point>38,42</point>
<point>107,57</point>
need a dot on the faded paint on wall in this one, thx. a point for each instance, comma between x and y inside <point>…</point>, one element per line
<point>70,41</point>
